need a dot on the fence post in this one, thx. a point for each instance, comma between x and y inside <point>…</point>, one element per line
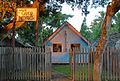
<point>73,65</point>
<point>90,63</point>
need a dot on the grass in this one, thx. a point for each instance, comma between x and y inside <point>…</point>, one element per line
<point>64,69</point>
<point>81,72</point>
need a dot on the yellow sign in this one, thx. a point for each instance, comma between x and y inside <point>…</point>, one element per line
<point>26,14</point>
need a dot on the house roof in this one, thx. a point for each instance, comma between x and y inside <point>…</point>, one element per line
<point>7,41</point>
<point>112,41</point>
<point>70,27</point>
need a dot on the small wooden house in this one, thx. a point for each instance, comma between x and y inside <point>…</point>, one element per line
<point>63,39</point>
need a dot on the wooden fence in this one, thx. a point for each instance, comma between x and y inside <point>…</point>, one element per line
<point>25,64</point>
<point>82,64</point>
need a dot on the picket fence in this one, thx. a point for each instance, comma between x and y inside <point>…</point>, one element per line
<point>25,64</point>
<point>83,60</point>
<point>34,64</point>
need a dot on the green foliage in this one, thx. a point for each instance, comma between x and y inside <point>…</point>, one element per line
<point>27,33</point>
<point>44,34</point>
<point>81,4</point>
<point>85,30</point>
<point>54,5</point>
<point>51,17</point>
<point>7,9</point>
<point>116,23</point>
<point>93,32</point>
<point>55,19</point>
<point>96,26</point>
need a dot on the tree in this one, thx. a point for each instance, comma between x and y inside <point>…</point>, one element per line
<point>50,17</point>
<point>55,19</point>
<point>116,24</point>
<point>96,29</point>
<point>95,26</point>
<point>111,10</point>
<point>9,6</point>
<point>85,30</point>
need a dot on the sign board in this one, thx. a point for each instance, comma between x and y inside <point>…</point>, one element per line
<point>26,14</point>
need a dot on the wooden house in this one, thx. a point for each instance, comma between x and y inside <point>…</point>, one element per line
<point>64,38</point>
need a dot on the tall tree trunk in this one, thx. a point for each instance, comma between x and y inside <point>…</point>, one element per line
<point>110,12</point>
<point>99,49</point>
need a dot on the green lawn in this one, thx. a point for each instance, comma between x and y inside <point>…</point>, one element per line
<point>81,72</point>
<point>64,69</point>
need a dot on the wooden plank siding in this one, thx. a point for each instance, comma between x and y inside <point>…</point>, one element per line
<point>83,61</point>
<point>25,64</point>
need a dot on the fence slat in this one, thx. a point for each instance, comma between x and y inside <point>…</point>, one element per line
<point>110,67</point>
<point>35,64</point>
<point>24,64</point>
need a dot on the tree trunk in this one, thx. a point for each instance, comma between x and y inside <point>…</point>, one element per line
<point>110,11</point>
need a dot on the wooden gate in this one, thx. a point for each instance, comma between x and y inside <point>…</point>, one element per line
<point>25,64</point>
<point>82,64</point>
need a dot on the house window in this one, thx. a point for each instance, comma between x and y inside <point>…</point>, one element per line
<point>77,46</point>
<point>57,48</point>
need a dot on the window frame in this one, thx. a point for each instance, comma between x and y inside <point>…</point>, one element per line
<point>54,48</point>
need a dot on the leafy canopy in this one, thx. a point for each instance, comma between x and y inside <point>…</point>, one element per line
<point>85,31</point>
<point>92,33</point>
<point>81,4</point>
